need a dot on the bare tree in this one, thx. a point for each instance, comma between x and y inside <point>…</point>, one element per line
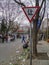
<point>9,13</point>
<point>35,28</point>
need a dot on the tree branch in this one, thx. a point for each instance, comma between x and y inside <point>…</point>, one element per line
<point>44,1</point>
<point>41,4</point>
<point>22,4</point>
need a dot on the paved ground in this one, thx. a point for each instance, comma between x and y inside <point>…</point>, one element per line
<point>8,50</point>
<point>43,46</point>
<point>39,62</point>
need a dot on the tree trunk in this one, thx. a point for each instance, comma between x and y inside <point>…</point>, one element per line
<point>35,38</point>
<point>35,32</point>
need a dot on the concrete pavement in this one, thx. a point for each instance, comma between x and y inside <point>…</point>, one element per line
<point>43,46</point>
<point>8,50</point>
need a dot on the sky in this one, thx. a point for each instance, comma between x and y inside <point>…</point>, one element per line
<point>17,12</point>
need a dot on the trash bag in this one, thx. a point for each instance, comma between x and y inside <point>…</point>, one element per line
<point>25,46</point>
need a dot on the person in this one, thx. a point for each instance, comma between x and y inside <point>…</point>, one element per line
<point>6,38</point>
<point>23,39</point>
<point>25,46</point>
<point>3,37</point>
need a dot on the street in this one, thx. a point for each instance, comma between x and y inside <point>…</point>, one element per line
<point>8,50</point>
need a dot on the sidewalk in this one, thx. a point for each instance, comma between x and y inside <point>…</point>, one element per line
<point>38,62</point>
<point>44,47</point>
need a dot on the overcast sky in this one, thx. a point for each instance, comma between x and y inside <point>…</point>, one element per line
<point>26,2</point>
<point>17,9</point>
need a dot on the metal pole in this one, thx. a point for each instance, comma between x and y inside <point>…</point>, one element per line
<point>47,26</point>
<point>30,45</point>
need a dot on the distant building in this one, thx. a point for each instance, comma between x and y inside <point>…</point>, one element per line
<point>23,29</point>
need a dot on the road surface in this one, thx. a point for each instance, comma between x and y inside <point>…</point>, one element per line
<point>8,50</point>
